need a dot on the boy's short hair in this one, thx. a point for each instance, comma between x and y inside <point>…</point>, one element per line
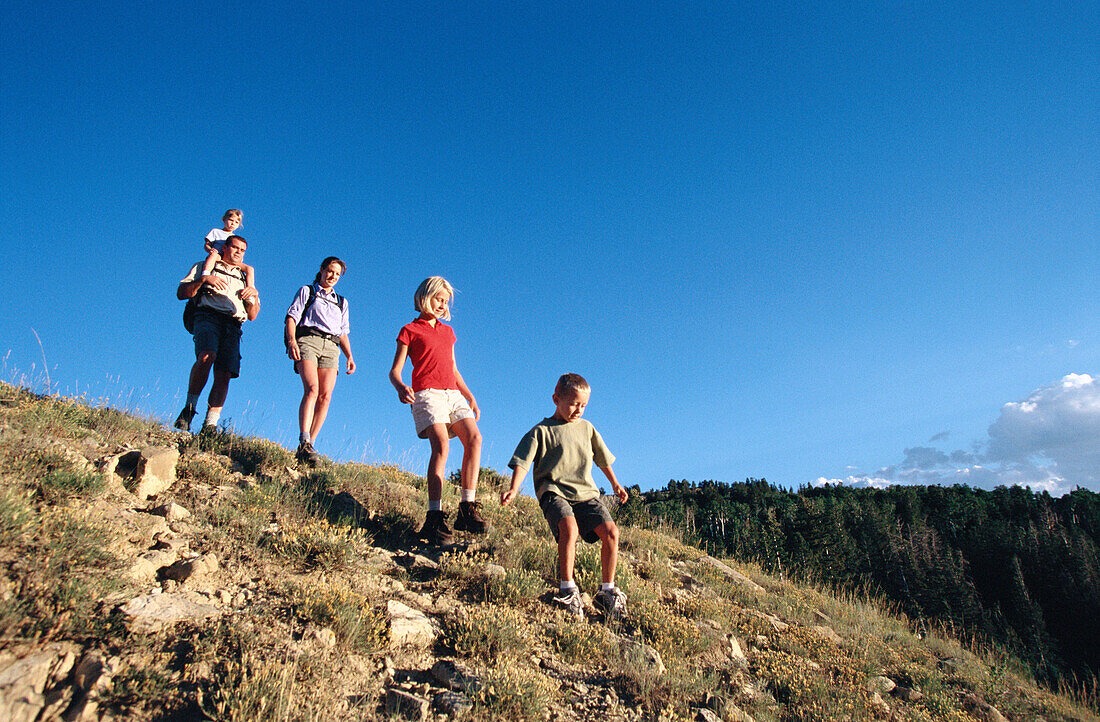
<point>233,212</point>
<point>571,382</point>
<point>428,288</point>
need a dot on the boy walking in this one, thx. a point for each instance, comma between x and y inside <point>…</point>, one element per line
<point>561,450</point>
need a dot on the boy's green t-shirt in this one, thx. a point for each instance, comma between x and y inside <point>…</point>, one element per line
<point>561,454</point>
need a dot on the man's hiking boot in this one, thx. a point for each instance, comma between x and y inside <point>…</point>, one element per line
<point>570,601</point>
<point>307,455</point>
<point>183,421</point>
<point>612,602</point>
<point>469,518</point>
<point>435,530</point>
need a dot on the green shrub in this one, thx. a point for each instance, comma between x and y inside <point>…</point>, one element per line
<point>488,631</point>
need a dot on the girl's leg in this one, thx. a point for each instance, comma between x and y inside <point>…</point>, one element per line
<point>310,390</point>
<point>440,441</point>
<point>467,432</point>
<point>326,382</point>
<point>609,551</point>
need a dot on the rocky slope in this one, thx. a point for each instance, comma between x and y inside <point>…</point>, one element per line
<point>151,575</point>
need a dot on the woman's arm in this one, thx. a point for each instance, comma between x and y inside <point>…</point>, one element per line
<point>345,346</point>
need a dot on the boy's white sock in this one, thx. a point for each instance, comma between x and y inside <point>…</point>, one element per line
<point>469,495</point>
<point>606,585</point>
<point>566,586</point>
<point>436,505</point>
<point>213,413</point>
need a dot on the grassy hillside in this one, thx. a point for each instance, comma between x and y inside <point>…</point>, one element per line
<point>252,589</point>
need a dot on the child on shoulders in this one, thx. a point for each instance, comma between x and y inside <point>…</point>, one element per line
<point>561,449</point>
<point>215,239</point>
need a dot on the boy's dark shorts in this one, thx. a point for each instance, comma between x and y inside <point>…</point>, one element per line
<point>589,514</point>
<point>220,333</point>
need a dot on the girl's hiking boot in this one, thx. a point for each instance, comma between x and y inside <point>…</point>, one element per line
<point>469,518</point>
<point>570,600</point>
<point>435,530</point>
<point>612,602</point>
<point>183,421</point>
<point>307,455</point>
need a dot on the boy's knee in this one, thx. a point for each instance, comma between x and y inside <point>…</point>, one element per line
<point>567,530</point>
<point>610,533</point>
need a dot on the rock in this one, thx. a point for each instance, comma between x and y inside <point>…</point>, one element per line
<point>879,707</point>
<point>186,569</point>
<point>293,473</point>
<point>409,627</point>
<point>703,714</point>
<point>223,596</point>
<point>146,566</point>
<point>172,512</point>
<point>416,563</point>
<point>732,573</point>
<point>322,635</point>
<point>21,685</point>
<point>156,471</point>
<point>736,653</point>
<point>495,572</point>
<point>452,704</point>
<point>880,685</point>
<point>777,624</point>
<point>168,540</point>
<point>153,613</point>
<point>123,464</point>
<point>829,633</point>
<point>406,705</point>
<point>907,693</point>
<point>642,656</point>
<point>733,713</point>
<point>455,676</point>
<point>982,710</point>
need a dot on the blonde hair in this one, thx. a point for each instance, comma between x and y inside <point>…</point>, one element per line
<point>571,382</point>
<point>233,212</point>
<point>428,288</point>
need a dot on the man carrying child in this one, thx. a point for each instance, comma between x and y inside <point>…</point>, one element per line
<point>562,449</point>
<point>225,301</point>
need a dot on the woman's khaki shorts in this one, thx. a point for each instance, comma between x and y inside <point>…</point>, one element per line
<point>323,351</point>
<point>439,406</point>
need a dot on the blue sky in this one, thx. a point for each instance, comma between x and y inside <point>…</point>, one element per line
<point>804,242</point>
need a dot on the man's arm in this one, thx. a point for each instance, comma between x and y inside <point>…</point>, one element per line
<point>251,299</point>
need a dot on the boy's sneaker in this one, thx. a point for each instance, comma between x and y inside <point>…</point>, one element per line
<point>435,530</point>
<point>469,518</point>
<point>183,421</point>
<point>612,602</point>
<point>570,601</point>
<point>307,454</point>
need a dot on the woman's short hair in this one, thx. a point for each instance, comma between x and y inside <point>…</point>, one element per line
<point>428,288</point>
<point>324,265</point>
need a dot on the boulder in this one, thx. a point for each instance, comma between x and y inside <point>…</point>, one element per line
<point>455,676</point>
<point>642,656</point>
<point>736,652</point>
<point>195,567</point>
<point>405,705</point>
<point>172,512</point>
<point>829,633</point>
<point>152,613</point>
<point>22,683</point>
<point>155,472</point>
<point>409,627</point>
<point>146,566</point>
<point>453,704</point>
<point>880,685</point>
<point>732,573</point>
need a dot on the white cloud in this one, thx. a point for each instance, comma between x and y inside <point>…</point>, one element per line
<point>1049,441</point>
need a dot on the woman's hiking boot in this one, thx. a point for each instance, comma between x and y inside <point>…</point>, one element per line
<point>435,530</point>
<point>307,455</point>
<point>183,421</point>
<point>470,519</point>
